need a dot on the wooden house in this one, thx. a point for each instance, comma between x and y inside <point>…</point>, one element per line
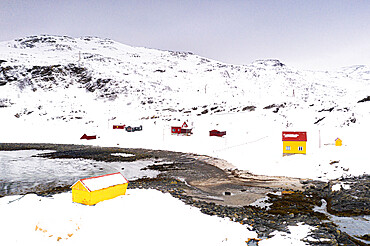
<point>294,143</point>
<point>183,130</point>
<point>338,142</point>
<point>88,137</point>
<point>119,127</point>
<point>175,129</point>
<point>217,133</point>
<point>90,191</point>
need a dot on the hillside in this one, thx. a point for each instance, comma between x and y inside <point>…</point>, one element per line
<point>158,82</point>
<point>55,88</point>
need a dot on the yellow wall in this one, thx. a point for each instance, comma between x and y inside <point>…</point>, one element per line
<point>81,195</point>
<point>108,193</point>
<point>338,142</point>
<point>294,147</point>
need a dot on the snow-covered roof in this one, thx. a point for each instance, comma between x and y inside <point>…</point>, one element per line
<point>294,136</point>
<point>104,181</point>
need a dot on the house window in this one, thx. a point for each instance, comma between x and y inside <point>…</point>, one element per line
<point>300,148</point>
<point>287,148</point>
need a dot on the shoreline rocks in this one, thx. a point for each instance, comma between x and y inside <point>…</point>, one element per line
<point>221,193</point>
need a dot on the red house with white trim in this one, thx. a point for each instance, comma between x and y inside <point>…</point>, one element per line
<point>183,130</point>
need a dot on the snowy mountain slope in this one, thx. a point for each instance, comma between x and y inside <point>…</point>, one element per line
<point>155,82</point>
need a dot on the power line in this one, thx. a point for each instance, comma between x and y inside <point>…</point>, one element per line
<point>241,144</point>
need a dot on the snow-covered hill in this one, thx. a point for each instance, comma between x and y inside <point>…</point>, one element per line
<point>55,88</point>
<point>155,82</point>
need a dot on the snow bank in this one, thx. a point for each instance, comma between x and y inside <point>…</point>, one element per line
<point>142,217</point>
<point>293,238</point>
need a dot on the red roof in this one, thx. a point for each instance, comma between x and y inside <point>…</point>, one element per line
<point>88,137</point>
<point>294,136</point>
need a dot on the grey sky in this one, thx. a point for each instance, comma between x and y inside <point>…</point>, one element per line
<point>305,34</point>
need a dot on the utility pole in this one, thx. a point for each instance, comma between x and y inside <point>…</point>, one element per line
<point>79,58</point>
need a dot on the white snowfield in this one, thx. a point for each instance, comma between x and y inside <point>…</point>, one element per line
<point>142,217</point>
<point>134,86</point>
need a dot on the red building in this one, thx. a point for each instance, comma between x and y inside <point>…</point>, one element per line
<point>119,127</point>
<point>175,129</point>
<point>88,137</point>
<point>217,133</point>
<point>183,130</point>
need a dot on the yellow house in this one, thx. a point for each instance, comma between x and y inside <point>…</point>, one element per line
<point>338,142</point>
<point>294,143</point>
<point>90,191</point>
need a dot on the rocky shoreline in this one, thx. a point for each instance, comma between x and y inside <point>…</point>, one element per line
<point>198,182</point>
<point>289,208</point>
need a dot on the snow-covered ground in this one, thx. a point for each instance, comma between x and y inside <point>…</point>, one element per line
<point>141,217</point>
<point>55,89</point>
<point>250,144</point>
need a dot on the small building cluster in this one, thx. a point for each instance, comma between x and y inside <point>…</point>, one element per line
<point>134,129</point>
<point>128,128</point>
<point>294,142</point>
<point>183,130</point>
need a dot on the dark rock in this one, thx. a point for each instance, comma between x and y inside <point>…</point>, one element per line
<point>366,99</point>
<point>319,120</point>
<point>249,108</point>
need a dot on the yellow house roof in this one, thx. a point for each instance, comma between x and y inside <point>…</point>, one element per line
<point>101,182</point>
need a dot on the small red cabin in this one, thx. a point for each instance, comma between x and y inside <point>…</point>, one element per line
<point>175,129</point>
<point>119,127</point>
<point>181,130</point>
<point>217,133</point>
<point>88,137</point>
